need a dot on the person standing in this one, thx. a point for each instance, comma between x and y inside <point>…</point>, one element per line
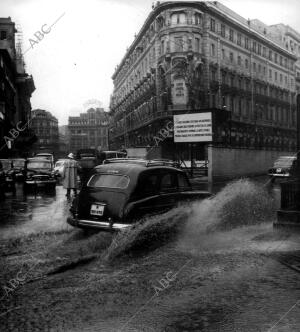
<point>70,175</point>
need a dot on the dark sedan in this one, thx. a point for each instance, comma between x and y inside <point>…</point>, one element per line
<point>39,173</point>
<point>284,167</point>
<point>119,193</point>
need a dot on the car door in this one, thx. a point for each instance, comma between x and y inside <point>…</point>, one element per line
<point>145,198</point>
<point>168,189</point>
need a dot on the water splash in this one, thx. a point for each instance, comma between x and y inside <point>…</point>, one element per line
<point>240,203</point>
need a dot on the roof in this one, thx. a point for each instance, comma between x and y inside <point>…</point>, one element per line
<point>130,169</point>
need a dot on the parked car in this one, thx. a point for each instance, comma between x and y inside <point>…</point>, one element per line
<point>39,173</point>
<point>120,192</point>
<point>59,167</point>
<point>19,168</point>
<point>2,181</point>
<point>284,166</point>
<point>104,155</point>
<point>10,180</point>
<point>44,155</point>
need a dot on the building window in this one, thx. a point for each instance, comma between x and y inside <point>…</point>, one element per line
<point>254,47</point>
<point>280,78</point>
<point>223,53</point>
<point>270,55</point>
<point>246,43</point>
<point>270,73</point>
<point>197,44</point>
<point>280,60</point>
<point>259,68</point>
<point>259,49</point>
<point>276,57</point>
<point>213,49</point>
<point>198,19</point>
<point>212,25</point>
<point>178,44</point>
<point>264,52</point>
<point>275,75</point>
<point>254,66</point>
<point>223,31</point>
<point>3,34</point>
<point>231,57</point>
<point>239,39</point>
<point>231,35</point>
<point>239,60</point>
<point>178,18</point>
<point>246,63</point>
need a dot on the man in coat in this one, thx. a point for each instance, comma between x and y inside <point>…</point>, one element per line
<point>70,175</point>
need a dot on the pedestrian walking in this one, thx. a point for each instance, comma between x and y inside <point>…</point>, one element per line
<point>70,175</point>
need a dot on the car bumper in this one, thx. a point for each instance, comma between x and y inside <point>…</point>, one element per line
<point>279,175</point>
<point>40,183</point>
<point>105,225</point>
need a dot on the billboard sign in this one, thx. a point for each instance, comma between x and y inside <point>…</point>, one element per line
<point>196,127</point>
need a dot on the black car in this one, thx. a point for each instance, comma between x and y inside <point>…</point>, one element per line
<point>284,167</point>
<point>120,192</point>
<point>2,181</point>
<point>19,168</point>
<point>39,173</point>
<point>10,180</point>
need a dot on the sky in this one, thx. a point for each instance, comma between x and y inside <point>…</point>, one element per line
<point>73,62</point>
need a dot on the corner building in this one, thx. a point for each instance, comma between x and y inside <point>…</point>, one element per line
<point>195,56</point>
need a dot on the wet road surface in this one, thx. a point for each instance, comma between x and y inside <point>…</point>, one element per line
<point>222,280</point>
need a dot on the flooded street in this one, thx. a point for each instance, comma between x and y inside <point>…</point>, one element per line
<point>217,270</point>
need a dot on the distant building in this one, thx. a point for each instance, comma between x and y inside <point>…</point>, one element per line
<point>89,130</point>
<point>200,56</point>
<point>64,140</point>
<point>16,87</point>
<point>45,126</point>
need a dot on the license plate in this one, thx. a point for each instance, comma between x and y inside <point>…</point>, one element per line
<point>97,210</point>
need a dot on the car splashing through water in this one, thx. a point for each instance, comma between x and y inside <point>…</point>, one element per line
<point>241,203</point>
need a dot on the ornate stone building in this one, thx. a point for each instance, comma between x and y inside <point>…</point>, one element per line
<point>45,126</point>
<point>16,88</point>
<point>89,130</point>
<point>192,56</point>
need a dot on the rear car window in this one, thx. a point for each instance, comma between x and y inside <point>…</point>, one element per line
<point>108,181</point>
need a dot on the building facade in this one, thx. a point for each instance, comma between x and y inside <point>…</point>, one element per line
<point>45,126</point>
<point>193,56</point>
<point>89,130</point>
<point>16,88</point>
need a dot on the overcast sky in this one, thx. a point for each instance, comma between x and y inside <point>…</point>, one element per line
<point>74,62</point>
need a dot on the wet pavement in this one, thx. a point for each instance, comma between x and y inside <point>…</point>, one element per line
<point>57,278</point>
<point>33,212</point>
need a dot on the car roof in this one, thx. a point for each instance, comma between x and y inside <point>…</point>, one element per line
<point>130,168</point>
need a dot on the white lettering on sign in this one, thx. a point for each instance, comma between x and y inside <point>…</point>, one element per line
<point>195,127</point>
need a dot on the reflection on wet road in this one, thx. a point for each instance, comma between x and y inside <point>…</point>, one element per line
<point>33,212</point>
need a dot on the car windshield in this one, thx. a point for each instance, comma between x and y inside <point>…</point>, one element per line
<point>45,156</point>
<point>38,165</point>
<point>6,164</point>
<point>109,181</point>
<point>284,162</point>
<point>18,163</point>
